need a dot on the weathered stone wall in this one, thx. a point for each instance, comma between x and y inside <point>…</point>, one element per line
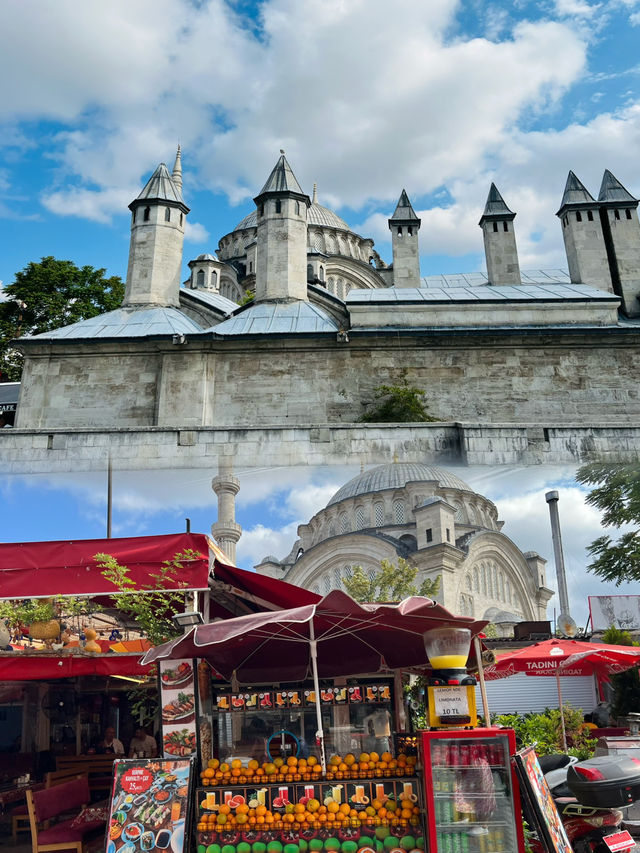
<point>156,448</point>
<point>545,378</point>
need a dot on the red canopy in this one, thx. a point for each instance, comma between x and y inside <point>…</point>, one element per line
<point>565,657</point>
<point>350,638</point>
<point>43,569</point>
<point>30,667</point>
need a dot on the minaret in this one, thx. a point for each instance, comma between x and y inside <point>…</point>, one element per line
<point>500,249</point>
<point>583,238</point>
<point>225,530</point>
<point>621,231</point>
<point>281,252</point>
<point>404,226</point>
<point>157,236</point>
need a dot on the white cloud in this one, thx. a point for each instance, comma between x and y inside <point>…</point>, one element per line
<point>194,232</point>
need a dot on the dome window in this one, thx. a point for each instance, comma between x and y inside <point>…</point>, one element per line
<point>399,230</point>
<point>214,278</point>
<point>378,511</point>
<point>278,206</point>
<point>495,227</point>
<point>429,534</point>
<point>147,214</point>
<point>200,278</point>
<point>360,519</point>
<point>133,215</point>
<point>398,512</point>
<point>344,523</point>
<point>297,208</point>
<point>167,214</point>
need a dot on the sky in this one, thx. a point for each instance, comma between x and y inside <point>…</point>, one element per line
<point>367,98</point>
<point>272,503</point>
<point>440,98</point>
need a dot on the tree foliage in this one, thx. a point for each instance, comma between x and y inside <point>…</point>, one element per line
<point>390,583</point>
<point>150,607</point>
<point>46,295</point>
<point>544,731</point>
<point>617,496</point>
<point>401,403</point>
<point>626,685</point>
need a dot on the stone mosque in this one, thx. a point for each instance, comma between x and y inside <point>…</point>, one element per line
<point>324,321</point>
<point>424,514</point>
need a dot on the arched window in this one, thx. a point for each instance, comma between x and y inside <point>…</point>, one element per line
<point>309,272</point>
<point>378,511</point>
<point>399,230</point>
<point>483,577</point>
<point>468,582</point>
<point>628,213</point>
<point>578,216</point>
<point>459,511</point>
<point>360,520</point>
<point>410,231</point>
<point>278,206</point>
<point>505,226</point>
<point>321,276</point>
<point>167,214</point>
<point>337,580</point>
<point>344,523</point>
<point>214,278</point>
<point>326,584</point>
<point>495,226</point>
<point>332,528</point>
<point>147,214</point>
<point>297,208</point>
<point>398,512</point>
<point>200,278</point>
<point>476,580</point>
<point>133,215</point>
<point>181,219</point>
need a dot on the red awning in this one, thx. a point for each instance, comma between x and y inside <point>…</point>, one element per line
<point>43,569</point>
<point>30,667</point>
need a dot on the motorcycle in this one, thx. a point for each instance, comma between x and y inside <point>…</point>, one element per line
<point>588,795</point>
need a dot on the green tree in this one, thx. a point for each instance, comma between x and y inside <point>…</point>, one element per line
<point>47,295</point>
<point>626,685</point>
<point>390,583</point>
<point>401,403</point>
<point>617,495</point>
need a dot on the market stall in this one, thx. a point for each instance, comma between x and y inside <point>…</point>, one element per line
<point>305,751</point>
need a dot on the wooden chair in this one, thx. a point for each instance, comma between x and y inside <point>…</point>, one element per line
<point>50,830</point>
<point>20,814</point>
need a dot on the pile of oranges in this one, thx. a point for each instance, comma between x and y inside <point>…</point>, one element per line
<point>365,766</point>
<point>309,815</point>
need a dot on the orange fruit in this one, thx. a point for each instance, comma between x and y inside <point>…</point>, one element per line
<point>209,773</point>
<point>332,807</point>
<point>224,809</point>
<point>292,761</point>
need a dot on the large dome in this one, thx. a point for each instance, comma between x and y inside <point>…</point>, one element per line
<point>395,476</point>
<point>316,215</point>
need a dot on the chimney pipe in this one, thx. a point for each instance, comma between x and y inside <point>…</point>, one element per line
<point>552,499</point>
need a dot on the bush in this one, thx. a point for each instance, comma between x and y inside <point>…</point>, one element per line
<point>544,731</point>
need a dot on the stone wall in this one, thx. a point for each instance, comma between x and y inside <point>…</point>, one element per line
<point>547,378</point>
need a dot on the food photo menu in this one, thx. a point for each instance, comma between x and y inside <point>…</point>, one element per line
<point>150,805</point>
<point>178,700</point>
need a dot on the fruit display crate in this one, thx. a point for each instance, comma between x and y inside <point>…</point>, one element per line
<point>370,815</point>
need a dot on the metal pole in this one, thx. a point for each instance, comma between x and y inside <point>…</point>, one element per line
<point>563,596</point>
<point>483,689</point>
<point>564,732</point>
<point>109,495</point>
<point>316,686</point>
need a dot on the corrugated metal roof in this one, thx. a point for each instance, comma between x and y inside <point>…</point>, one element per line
<point>161,186</point>
<point>478,293</point>
<point>126,323</point>
<point>277,318</point>
<point>474,279</point>
<point>212,299</point>
<point>281,179</point>
<point>612,191</point>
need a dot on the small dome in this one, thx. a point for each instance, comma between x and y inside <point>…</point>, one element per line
<point>395,476</point>
<point>316,215</point>
<point>206,257</point>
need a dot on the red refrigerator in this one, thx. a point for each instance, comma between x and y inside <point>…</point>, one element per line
<point>472,798</point>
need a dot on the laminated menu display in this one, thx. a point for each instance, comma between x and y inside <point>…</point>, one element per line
<point>178,698</point>
<point>150,805</point>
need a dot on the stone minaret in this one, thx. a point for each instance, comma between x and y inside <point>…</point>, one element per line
<point>225,530</point>
<point>583,237</point>
<point>157,235</point>
<point>621,230</point>
<point>404,226</point>
<point>500,249</point>
<point>281,254</point>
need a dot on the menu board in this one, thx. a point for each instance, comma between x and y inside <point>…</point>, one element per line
<point>538,804</point>
<point>150,805</point>
<point>358,694</point>
<point>178,702</point>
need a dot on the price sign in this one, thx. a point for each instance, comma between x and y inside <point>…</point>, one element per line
<point>452,706</point>
<point>137,780</point>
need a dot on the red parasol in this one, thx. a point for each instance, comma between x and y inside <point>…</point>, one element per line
<point>564,657</point>
<point>334,637</point>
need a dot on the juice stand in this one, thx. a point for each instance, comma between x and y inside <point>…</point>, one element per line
<point>312,761</point>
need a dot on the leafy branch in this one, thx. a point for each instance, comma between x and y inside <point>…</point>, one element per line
<point>389,583</point>
<point>150,606</point>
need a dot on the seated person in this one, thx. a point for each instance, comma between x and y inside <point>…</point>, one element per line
<point>143,745</point>
<point>110,743</point>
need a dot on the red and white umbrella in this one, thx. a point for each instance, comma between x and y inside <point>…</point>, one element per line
<point>553,658</point>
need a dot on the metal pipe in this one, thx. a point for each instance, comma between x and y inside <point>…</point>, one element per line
<point>563,596</point>
<point>483,688</point>
<point>316,686</point>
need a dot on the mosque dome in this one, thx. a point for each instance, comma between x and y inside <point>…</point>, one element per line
<point>206,257</point>
<point>316,215</point>
<point>395,476</point>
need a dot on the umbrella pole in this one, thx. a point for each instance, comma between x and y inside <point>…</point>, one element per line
<point>316,686</point>
<point>564,731</point>
<point>483,688</point>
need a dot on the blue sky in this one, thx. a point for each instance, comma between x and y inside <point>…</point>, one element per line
<point>440,98</point>
<point>367,98</point>
<point>273,502</point>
